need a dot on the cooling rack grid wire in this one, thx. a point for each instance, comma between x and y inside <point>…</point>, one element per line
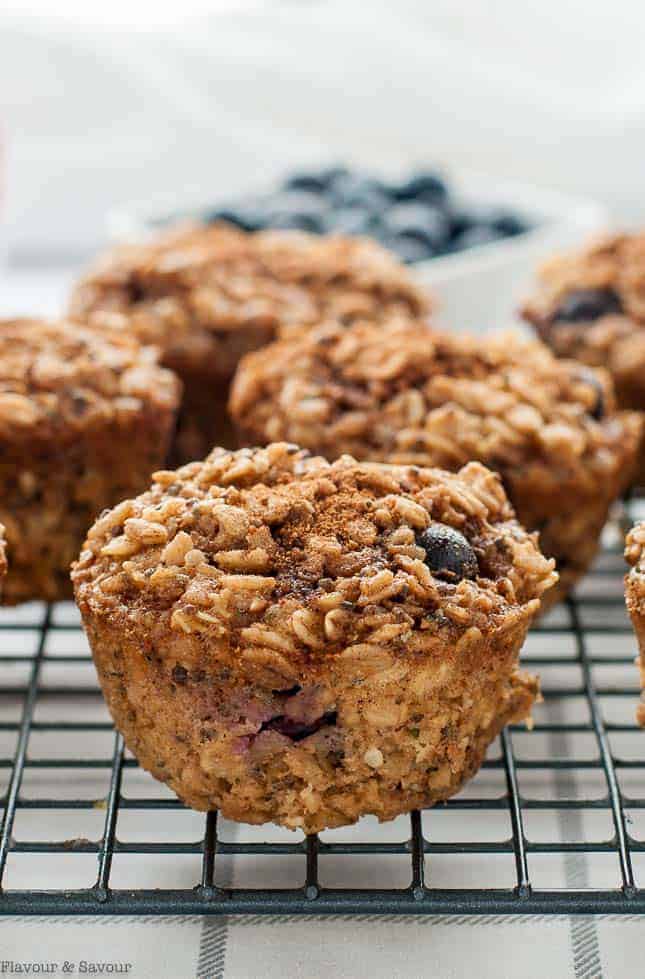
<point>553,823</point>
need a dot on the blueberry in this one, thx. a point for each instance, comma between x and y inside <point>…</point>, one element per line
<point>497,222</point>
<point>351,221</point>
<point>586,305</point>
<point>289,209</point>
<point>422,186</point>
<point>459,218</point>
<point>474,237</point>
<point>356,190</point>
<point>294,202</point>
<point>412,220</point>
<point>247,215</point>
<point>588,376</point>
<point>294,209</point>
<point>448,554</point>
<point>316,181</point>
<point>297,222</point>
<point>409,248</point>
<point>508,224</point>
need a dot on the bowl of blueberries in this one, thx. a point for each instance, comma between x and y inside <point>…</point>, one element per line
<point>474,240</point>
<point>417,217</point>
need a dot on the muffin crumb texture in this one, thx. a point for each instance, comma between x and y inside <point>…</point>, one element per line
<point>85,418</point>
<point>290,640</point>
<point>635,597</point>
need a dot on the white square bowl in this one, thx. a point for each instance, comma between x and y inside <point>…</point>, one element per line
<point>481,288</point>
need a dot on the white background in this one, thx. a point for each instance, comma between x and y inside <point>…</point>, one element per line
<point>107,102</point>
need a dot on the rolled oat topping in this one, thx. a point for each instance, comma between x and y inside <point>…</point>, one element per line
<point>404,395</point>
<point>196,285</point>
<point>62,376</point>
<point>258,532</point>
<point>400,394</point>
<point>273,640</point>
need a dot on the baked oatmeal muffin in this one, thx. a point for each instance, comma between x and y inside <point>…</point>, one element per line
<point>84,420</point>
<point>403,395</point>
<point>286,639</point>
<point>590,305</point>
<point>206,295</point>
<point>635,597</point>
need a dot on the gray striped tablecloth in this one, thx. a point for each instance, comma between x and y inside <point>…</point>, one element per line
<point>325,948</point>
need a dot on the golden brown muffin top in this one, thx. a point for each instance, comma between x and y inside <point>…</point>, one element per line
<point>402,394</point>
<point>58,376</point>
<point>221,279</point>
<point>635,552</point>
<point>610,270</point>
<point>277,558</point>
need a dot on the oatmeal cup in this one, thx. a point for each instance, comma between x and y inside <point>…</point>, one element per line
<point>402,395</point>
<point>208,294</point>
<point>290,640</point>
<point>590,305</point>
<point>635,598</point>
<point>84,420</point>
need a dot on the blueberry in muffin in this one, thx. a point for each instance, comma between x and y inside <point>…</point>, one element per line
<point>590,305</point>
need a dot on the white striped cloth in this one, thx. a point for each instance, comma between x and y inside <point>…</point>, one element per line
<point>328,948</point>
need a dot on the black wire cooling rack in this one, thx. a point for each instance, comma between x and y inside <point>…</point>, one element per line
<point>553,823</point>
